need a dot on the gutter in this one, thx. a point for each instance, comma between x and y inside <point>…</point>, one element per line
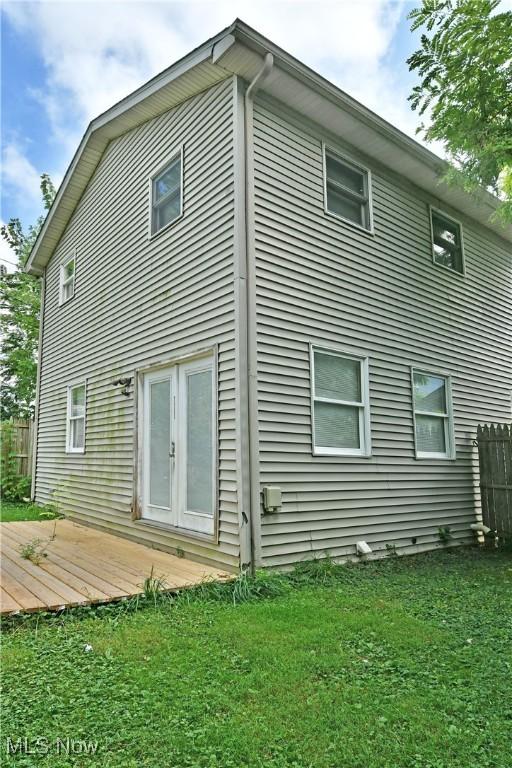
<point>111,124</point>
<point>252,352</point>
<point>247,35</point>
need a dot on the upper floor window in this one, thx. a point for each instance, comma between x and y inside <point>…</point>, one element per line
<point>340,404</point>
<point>347,190</point>
<point>166,194</point>
<point>75,422</point>
<point>446,241</point>
<point>67,280</point>
<point>433,420</point>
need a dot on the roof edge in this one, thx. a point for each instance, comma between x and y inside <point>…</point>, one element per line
<point>97,137</point>
<point>199,54</point>
<point>249,36</point>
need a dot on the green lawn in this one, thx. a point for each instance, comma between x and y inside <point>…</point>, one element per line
<point>403,663</point>
<point>12,511</point>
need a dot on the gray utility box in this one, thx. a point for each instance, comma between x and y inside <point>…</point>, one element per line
<point>272,498</point>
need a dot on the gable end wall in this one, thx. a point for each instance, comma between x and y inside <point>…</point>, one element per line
<point>138,302</point>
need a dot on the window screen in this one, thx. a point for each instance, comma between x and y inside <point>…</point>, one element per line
<point>338,404</point>
<point>446,242</point>
<point>166,195</point>
<point>431,415</point>
<point>67,280</point>
<point>347,190</point>
<point>76,419</point>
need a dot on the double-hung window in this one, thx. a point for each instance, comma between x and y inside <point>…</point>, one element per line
<point>166,194</point>
<point>340,404</point>
<point>67,280</point>
<point>347,190</point>
<point>447,248</point>
<point>75,432</point>
<point>433,418</point>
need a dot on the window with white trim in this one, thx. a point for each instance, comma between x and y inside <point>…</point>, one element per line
<point>347,190</point>
<point>75,432</point>
<point>446,242</point>
<point>433,419</point>
<point>166,194</point>
<point>340,404</point>
<point>67,280</point>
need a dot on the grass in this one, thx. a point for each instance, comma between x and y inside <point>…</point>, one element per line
<point>13,511</point>
<point>402,663</point>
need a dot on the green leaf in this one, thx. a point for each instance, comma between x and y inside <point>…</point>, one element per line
<point>464,64</point>
<point>19,318</point>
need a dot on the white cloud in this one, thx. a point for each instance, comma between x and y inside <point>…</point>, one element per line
<point>20,178</point>
<point>344,41</point>
<point>96,53</point>
<point>21,183</point>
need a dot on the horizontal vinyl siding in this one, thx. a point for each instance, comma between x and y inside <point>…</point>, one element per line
<point>320,280</point>
<point>138,302</point>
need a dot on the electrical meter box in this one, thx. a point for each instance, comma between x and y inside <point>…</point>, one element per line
<point>272,498</point>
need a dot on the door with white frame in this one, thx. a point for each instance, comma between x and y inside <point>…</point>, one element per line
<point>179,445</point>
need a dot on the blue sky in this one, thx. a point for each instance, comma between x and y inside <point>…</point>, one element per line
<point>65,62</point>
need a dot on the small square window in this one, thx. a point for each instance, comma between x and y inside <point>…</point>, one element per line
<point>446,242</point>
<point>166,195</point>
<point>432,416</point>
<point>340,406</point>
<point>347,190</point>
<point>67,280</point>
<point>75,426</point>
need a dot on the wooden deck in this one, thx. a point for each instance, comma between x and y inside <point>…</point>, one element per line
<point>82,566</point>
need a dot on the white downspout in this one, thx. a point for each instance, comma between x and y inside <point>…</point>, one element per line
<point>38,386</point>
<point>252,356</point>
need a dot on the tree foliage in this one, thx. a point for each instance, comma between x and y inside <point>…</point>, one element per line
<point>19,317</point>
<point>465,66</point>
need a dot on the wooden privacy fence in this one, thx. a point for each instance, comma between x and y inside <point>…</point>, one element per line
<point>495,460</point>
<point>17,442</point>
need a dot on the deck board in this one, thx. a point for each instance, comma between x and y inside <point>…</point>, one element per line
<point>8,603</point>
<point>113,575</point>
<point>83,566</point>
<point>119,563</point>
<point>89,581</point>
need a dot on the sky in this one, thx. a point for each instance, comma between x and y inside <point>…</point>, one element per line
<point>63,63</point>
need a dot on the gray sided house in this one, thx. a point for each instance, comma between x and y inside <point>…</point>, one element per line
<point>268,331</point>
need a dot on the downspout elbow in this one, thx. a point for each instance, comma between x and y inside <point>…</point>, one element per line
<point>266,69</point>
